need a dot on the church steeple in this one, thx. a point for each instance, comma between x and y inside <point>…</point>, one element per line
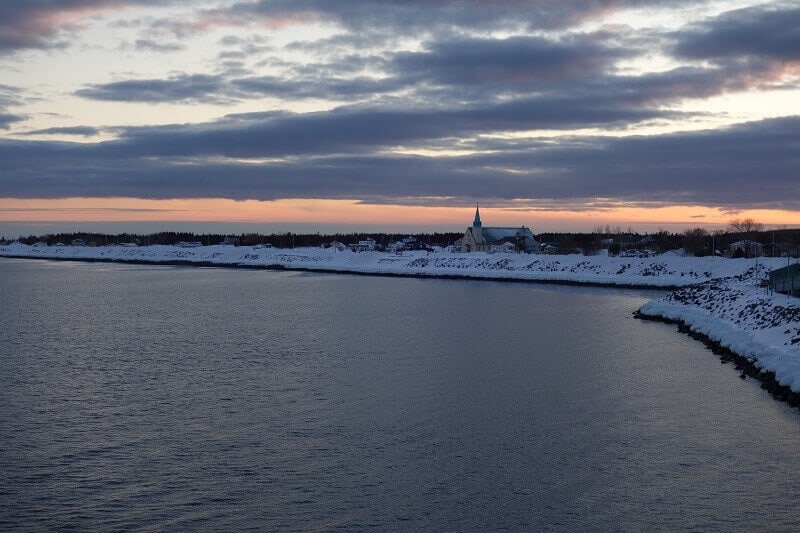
<point>477,222</point>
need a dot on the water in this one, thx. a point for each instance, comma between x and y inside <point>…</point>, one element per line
<point>162,398</point>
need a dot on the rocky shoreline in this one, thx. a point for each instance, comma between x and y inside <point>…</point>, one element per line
<point>758,331</point>
<point>745,366</point>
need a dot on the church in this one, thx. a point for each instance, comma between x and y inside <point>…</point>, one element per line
<point>479,239</point>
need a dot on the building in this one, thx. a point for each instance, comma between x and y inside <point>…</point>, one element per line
<point>337,246</point>
<point>493,239</point>
<point>746,248</point>
<point>367,245</point>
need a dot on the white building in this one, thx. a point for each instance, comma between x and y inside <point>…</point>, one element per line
<point>367,245</point>
<point>747,248</point>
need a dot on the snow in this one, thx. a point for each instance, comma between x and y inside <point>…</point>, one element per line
<point>717,297</point>
<point>763,327</point>
<point>660,271</point>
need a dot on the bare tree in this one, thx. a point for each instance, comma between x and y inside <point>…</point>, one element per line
<point>745,225</point>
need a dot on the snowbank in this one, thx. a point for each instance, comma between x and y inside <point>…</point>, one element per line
<point>761,327</point>
<point>661,271</point>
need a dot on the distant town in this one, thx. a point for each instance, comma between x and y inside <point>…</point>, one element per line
<point>741,238</point>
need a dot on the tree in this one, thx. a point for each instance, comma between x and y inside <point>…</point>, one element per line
<point>745,225</point>
<point>695,242</point>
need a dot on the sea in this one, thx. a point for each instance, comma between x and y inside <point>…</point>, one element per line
<point>162,398</point>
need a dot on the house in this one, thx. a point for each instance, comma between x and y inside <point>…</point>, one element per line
<point>488,239</point>
<point>505,245</point>
<point>338,246</point>
<point>786,280</point>
<point>190,244</point>
<point>396,247</point>
<point>367,245</point>
<point>550,248</point>
<point>746,248</point>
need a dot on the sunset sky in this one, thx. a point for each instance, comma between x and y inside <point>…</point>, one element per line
<point>320,115</point>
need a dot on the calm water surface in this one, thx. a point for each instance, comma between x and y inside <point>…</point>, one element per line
<point>162,398</point>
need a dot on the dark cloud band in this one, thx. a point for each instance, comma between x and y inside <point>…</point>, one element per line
<point>750,165</point>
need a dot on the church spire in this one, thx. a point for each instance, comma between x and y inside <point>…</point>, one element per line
<point>477,222</point>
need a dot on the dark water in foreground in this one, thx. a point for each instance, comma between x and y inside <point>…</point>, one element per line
<point>162,398</point>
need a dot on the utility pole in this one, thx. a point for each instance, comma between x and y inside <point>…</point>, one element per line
<point>773,244</point>
<point>713,253</point>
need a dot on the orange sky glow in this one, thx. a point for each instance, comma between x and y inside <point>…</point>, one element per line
<point>357,214</point>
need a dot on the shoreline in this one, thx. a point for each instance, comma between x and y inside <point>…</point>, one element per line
<point>417,275</point>
<point>742,323</point>
<point>715,300</point>
<point>746,367</point>
<point>663,272</point>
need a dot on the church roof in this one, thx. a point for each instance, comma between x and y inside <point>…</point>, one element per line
<point>491,235</point>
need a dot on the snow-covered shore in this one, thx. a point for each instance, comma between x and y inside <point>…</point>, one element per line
<point>761,328</point>
<point>718,298</point>
<point>665,271</point>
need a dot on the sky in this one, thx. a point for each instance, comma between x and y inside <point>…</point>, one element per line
<point>315,115</point>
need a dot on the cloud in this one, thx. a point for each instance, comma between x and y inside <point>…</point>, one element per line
<point>7,119</point>
<point>223,88</point>
<point>749,165</point>
<point>464,69</point>
<point>153,46</point>
<point>184,88</point>
<point>757,32</point>
<point>38,23</point>
<point>451,72</point>
<point>367,128</point>
<point>454,87</point>
<point>745,165</point>
<point>9,97</point>
<point>84,131</point>
<point>514,62</point>
<point>416,15</point>
<point>758,46</point>
<point>332,89</point>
